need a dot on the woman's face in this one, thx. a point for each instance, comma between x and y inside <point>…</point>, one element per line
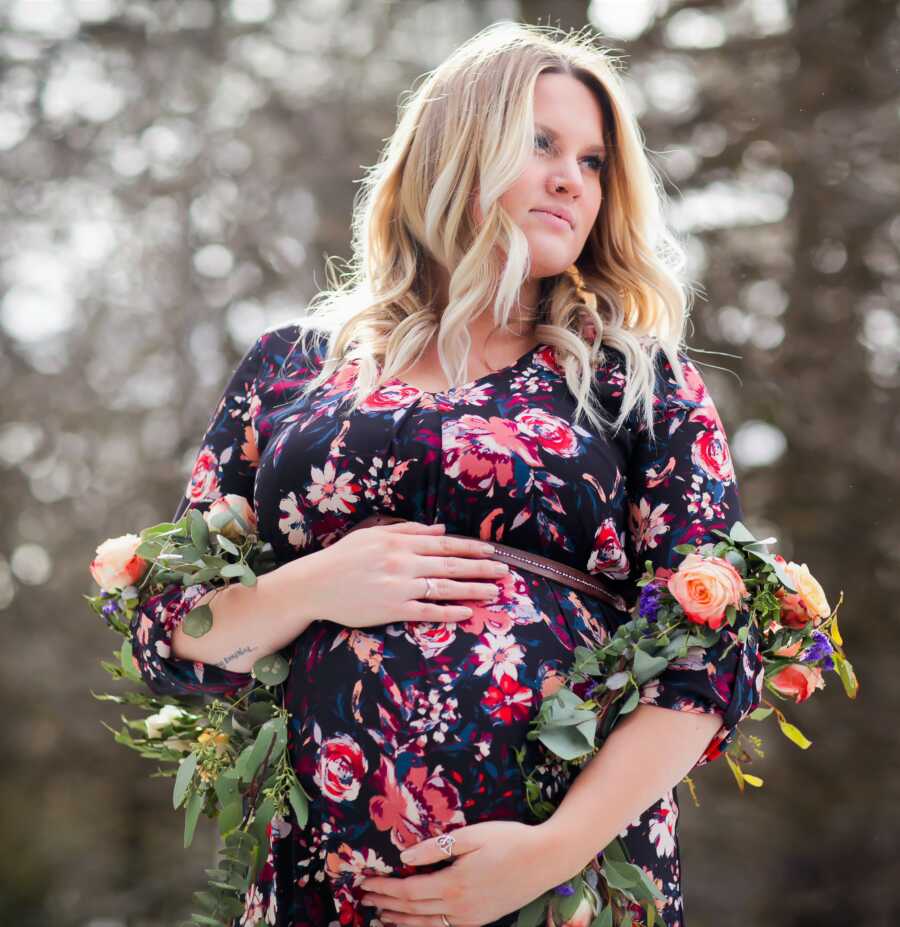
<point>562,174</point>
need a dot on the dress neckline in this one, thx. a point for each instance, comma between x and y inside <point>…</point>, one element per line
<point>507,368</point>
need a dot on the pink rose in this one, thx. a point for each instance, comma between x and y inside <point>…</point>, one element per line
<point>797,681</point>
<point>223,516</point>
<point>116,565</point>
<point>704,587</point>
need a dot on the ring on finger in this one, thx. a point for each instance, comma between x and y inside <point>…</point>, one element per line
<point>427,588</point>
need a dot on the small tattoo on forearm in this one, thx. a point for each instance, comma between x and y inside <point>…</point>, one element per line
<point>222,664</point>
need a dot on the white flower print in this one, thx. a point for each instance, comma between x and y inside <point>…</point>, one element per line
<point>647,526</point>
<point>498,653</point>
<point>293,523</point>
<point>253,907</point>
<point>331,493</point>
<point>662,826</point>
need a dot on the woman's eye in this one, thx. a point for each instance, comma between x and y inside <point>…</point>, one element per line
<point>597,164</point>
<point>540,141</point>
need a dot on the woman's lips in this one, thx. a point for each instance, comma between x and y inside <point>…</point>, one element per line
<point>555,220</point>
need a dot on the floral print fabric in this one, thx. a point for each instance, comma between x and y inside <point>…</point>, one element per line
<point>407,730</point>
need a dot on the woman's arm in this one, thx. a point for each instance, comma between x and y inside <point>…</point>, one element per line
<point>251,622</point>
<point>646,754</point>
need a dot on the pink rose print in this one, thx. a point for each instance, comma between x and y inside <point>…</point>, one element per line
<point>608,555</point>
<point>554,434</point>
<point>388,397</point>
<point>340,768</point>
<point>433,637</point>
<point>204,482</point>
<point>711,454</point>
<point>422,806</point>
<point>479,452</point>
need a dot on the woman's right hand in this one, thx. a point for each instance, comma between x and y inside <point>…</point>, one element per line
<point>374,576</point>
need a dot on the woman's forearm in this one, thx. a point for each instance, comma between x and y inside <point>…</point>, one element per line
<point>647,752</point>
<point>250,622</point>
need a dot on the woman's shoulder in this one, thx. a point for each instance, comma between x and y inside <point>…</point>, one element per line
<point>291,349</point>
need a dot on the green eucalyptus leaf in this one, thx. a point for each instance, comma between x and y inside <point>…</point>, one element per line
<point>620,875</point>
<point>248,577</point>
<point>198,621</point>
<point>206,900</point>
<point>230,816</point>
<point>271,670</point>
<point>533,914</point>
<point>183,779</point>
<point>207,920</point>
<point>226,544</point>
<point>199,531</point>
<point>127,663</point>
<point>647,667</point>
<point>631,702</point>
<point>568,904</point>
<point>233,569</point>
<point>299,802</point>
<point>191,814</point>
<point>567,742</point>
<point>261,710</point>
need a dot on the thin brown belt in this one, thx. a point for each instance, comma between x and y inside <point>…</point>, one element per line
<point>525,560</point>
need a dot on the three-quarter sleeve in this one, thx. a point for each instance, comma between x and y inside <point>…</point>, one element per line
<point>226,463</point>
<point>682,486</point>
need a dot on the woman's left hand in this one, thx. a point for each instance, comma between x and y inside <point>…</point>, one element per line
<point>498,868</point>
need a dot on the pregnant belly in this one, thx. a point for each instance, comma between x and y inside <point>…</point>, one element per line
<point>407,730</point>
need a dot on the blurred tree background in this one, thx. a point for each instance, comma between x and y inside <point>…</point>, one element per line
<point>172,174</point>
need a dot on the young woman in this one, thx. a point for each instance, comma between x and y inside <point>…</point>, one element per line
<point>504,364</point>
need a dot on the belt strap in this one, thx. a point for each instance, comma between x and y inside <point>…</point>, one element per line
<point>525,560</point>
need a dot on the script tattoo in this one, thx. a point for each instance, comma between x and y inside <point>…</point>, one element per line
<point>223,663</point>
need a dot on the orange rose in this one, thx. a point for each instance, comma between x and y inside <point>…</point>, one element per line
<point>797,681</point>
<point>704,587</point>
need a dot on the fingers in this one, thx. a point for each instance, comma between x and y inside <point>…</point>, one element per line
<point>413,527</point>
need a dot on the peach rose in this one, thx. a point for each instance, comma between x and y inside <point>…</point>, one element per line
<point>116,565</point>
<point>808,603</point>
<point>704,587</point>
<point>221,516</point>
<point>797,681</point>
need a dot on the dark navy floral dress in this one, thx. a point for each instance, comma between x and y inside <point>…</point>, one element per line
<point>403,731</point>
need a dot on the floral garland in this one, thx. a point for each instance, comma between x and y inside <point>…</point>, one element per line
<point>230,756</point>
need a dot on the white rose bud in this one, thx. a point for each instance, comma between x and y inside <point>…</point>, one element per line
<point>157,723</point>
<point>221,517</point>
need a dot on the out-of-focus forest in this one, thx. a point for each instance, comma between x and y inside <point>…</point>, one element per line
<point>173,174</point>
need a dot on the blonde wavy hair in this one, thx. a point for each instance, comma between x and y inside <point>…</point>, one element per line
<point>471,124</point>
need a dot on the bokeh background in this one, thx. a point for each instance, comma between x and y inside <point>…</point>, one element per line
<point>173,174</point>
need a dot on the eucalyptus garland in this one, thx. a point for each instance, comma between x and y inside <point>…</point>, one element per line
<point>229,757</point>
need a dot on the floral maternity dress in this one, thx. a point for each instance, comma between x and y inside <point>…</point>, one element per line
<point>406,730</point>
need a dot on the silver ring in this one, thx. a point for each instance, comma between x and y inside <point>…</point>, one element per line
<point>445,842</point>
<point>427,588</point>
<point>446,922</point>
